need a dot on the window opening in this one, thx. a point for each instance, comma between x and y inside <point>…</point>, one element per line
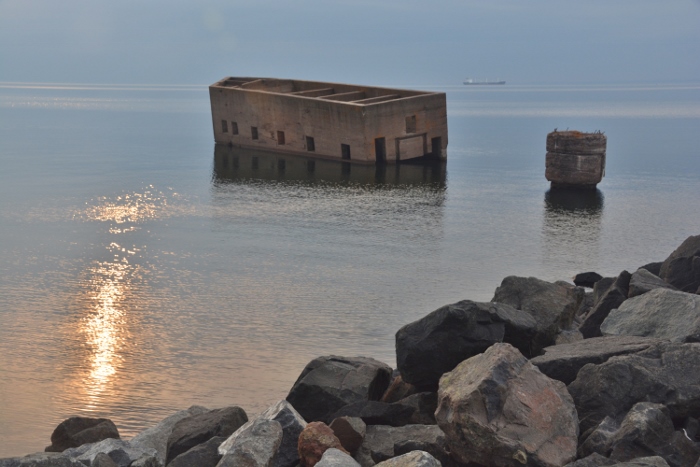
<point>411,124</point>
<point>234,128</point>
<point>345,151</point>
<point>280,137</point>
<point>254,132</point>
<point>310,145</point>
<point>224,126</point>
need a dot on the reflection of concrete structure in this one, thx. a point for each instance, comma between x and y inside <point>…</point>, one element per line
<point>329,120</point>
<point>234,163</point>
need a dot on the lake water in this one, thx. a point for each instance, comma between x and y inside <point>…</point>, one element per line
<point>142,270</point>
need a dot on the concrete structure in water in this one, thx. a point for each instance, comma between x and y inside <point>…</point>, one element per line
<point>575,159</point>
<point>329,120</point>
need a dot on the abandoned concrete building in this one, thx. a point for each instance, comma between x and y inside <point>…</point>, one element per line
<point>329,120</point>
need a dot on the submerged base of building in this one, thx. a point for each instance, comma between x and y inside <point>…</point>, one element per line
<point>329,120</point>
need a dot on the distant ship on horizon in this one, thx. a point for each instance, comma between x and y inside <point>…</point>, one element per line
<point>472,81</point>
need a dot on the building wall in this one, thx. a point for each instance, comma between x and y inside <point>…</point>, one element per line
<point>330,124</point>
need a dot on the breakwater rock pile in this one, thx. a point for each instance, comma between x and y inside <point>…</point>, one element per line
<point>605,371</point>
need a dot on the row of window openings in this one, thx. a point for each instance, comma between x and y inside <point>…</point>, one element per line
<point>310,144</point>
<point>281,165</point>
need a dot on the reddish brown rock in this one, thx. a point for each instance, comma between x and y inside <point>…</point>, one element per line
<point>314,440</point>
<point>397,390</point>
<point>350,431</point>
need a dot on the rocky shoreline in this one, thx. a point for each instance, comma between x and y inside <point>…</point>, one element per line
<point>603,372</point>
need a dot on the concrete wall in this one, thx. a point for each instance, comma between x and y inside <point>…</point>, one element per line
<point>331,124</point>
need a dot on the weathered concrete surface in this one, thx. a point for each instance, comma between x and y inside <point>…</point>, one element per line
<point>497,407</point>
<point>575,159</point>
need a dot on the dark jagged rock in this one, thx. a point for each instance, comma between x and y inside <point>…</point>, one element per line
<point>654,268</point>
<point>661,313</point>
<point>563,362</point>
<point>643,281</point>
<point>682,268</point>
<point>553,306</point>
<point>497,407</point>
<point>611,299</point>
<point>416,409</point>
<point>601,287</point>
<point>600,440</point>
<point>665,373</point>
<point>197,429</point>
<point>436,343</point>
<point>587,279</point>
<point>647,430</point>
<point>594,460</point>
<point>329,383</point>
<point>381,441</point>
<point>77,431</point>
<point>350,431</point>
<point>202,455</point>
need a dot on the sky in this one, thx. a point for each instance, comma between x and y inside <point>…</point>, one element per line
<point>382,42</point>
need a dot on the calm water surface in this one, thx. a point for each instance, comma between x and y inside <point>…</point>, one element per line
<point>143,270</point>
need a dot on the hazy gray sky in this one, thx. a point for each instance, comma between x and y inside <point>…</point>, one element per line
<point>374,42</point>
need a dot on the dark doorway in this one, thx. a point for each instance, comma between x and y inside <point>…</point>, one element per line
<point>380,149</point>
<point>345,151</point>
<point>436,144</point>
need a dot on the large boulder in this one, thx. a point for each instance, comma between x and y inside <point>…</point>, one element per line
<point>76,431</point>
<point>196,429</point>
<point>436,343</point>
<point>350,431</point>
<point>121,452</point>
<point>613,297</point>
<point>665,373</point>
<point>648,430</point>
<point>553,306</point>
<point>315,440</point>
<point>497,407</point>
<point>412,459</point>
<point>642,281</point>
<point>563,362</point>
<point>255,445</point>
<point>41,459</point>
<point>661,313</point>
<point>156,437</point>
<point>385,442</point>
<point>292,424</point>
<point>682,268</point>
<point>587,279</point>
<point>202,455</point>
<point>336,458</point>
<point>328,383</point>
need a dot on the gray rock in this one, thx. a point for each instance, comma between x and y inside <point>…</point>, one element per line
<point>380,442</point>
<point>328,383</point>
<point>601,439</point>
<point>412,459</point>
<point>587,279</point>
<point>436,343</point>
<point>654,268</point>
<point>594,460</point>
<point>643,281</point>
<point>653,461</point>
<point>120,451</point>
<point>77,431</point>
<point>665,373</point>
<point>196,429</point>
<point>292,424</point>
<point>647,430</point>
<point>350,431</point>
<point>568,337</point>
<point>146,461</point>
<point>497,406</point>
<point>661,313</point>
<point>156,437</point>
<point>41,459</point>
<point>682,268</point>
<point>563,362</point>
<point>601,287</point>
<point>416,409</point>
<point>336,458</point>
<point>255,445</point>
<point>102,460</point>
<point>613,297</point>
<point>553,306</point>
<point>202,455</point>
